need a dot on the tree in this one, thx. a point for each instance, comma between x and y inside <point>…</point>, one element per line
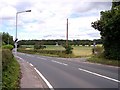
<point>114,4</point>
<point>7,39</point>
<point>109,27</point>
<point>68,49</point>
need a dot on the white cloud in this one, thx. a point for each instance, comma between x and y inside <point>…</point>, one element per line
<point>48,18</point>
<point>7,12</point>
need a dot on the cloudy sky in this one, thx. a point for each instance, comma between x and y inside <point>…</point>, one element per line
<point>47,19</point>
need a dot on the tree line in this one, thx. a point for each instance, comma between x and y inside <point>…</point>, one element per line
<point>59,42</point>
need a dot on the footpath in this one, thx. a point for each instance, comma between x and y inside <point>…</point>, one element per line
<point>29,77</point>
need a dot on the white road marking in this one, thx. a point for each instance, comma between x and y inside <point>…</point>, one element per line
<point>42,58</point>
<point>99,75</point>
<point>59,62</point>
<point>31,64</point>
<point>46,81</point>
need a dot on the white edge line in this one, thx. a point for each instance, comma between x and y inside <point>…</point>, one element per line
<point>65,64</point>
<point>31,64</point>
<point>99,75</point>
<point>48,84</point>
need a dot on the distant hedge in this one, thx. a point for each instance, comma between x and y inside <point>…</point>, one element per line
<point>54,52</point>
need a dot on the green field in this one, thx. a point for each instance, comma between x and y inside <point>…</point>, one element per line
<point>54,47</point>
<point>27,46</point>
<point>78,51</point>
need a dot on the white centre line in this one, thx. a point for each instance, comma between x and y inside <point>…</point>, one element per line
<point>99,75</point>
<point>60,63</point>
<point>42,58</point>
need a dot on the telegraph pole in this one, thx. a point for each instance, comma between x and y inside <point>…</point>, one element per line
<point>67,34</point>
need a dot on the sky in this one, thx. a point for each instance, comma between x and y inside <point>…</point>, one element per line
<point>47,19</point>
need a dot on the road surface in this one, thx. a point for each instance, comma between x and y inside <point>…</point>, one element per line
<point>66,73</point>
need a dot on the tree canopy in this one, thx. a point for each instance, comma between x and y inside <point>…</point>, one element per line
<point>7,38</point>
<point>109,27</point>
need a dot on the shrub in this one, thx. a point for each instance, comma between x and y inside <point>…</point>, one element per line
<point>68,49</point>
<point>97,50</point>
<point>10,47</point>
<point>36,46</point>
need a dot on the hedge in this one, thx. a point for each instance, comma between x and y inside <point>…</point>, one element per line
<point>10,71</point>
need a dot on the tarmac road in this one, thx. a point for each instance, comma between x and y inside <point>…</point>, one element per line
<point>73,73</point>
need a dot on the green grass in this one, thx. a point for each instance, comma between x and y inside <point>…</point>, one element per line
<point>27,46</point>
<point>102,60</point>
<point>53,47</point>
<point>78,51</point>
<point>10,73</point>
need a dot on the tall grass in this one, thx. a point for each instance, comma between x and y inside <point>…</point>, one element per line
<point>82,51</point>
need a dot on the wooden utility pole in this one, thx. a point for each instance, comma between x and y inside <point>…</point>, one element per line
<point>67,34</point>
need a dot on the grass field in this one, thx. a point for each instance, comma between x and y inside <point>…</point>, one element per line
<point>82,51</point>
<point>78,51</point>
<point>53,47</point>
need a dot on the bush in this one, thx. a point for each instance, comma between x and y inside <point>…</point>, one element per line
<point>97,50</point>
<point>10,47</point>
<point>68,49</point>
<point>10,71</point>
<point>39,46</point>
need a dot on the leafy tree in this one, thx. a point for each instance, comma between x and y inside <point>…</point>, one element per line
<point>114,4</point>
<point>68,49</point>
<point>109,27</point>
<point>6,38</point>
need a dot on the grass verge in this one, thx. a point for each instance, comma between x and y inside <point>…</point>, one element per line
<point>10,73</point>
<point>102,60</point>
